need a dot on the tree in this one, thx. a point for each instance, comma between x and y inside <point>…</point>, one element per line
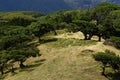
<point>108,59</point>
<point>12,41</point>
<point>41,28</point>
<point>21,55</point>
<point>87,28</point>
<point>15,43</point>
<point>14,47</point>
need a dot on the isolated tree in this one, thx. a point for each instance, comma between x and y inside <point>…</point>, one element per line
<point>108,59</point>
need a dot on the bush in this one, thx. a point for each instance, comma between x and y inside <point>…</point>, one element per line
<point>116,41</point>
<point>108,59</point>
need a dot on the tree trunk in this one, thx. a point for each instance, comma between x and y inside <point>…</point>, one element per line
<point>103,72</point>
<point>90,36</point>
<point>1,69</point>
<point>86,37</point>
<point>21,64</point>
<point>103,68</point>
<point>55,33</point>
<point>99,38</point>
<point>39,39</point>
<point>12,69</point>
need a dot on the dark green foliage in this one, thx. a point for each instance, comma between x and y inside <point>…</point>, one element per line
<point>88,28</point>
<point>4,58</point>
<point>72,27</point>
<point>101,15</point>
<point>104,57</point>
<point>41,28</point>
<point>116,41</point>
<point>102,10</point>
<point>108,59</point>
<point>22,54</point>
<point>20,21</point>
<point>112,23</point>
<point>14,40</point>
<point>10,41</point>
<point>86,15</point>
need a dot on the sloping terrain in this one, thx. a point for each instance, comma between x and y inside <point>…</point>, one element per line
<point>70,62</point>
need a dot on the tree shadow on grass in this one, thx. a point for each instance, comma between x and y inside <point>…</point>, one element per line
<point>48,40</point>
<point>31,67</point>
<point>113,76</point>
<point>40,61</point>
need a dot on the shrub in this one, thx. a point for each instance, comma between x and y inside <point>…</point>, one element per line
<point>108,59</point>
<point>116,41</point>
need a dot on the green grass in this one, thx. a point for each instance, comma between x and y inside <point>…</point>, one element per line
<point>71,42</point>
<point>58,32</point>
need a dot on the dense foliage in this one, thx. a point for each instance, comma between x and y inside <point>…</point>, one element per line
<point>108,59</point>
<point>14,40</point>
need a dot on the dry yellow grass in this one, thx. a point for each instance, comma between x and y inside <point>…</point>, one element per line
<point>65,63</point>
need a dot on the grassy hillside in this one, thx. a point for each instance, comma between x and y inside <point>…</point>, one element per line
<point>64,57</point>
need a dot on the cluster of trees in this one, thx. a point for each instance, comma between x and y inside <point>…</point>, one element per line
<point>15,47</point>
<point>102,21</point>
<point>15,38</point>
<point>99,21</point>
<point>108,59</point>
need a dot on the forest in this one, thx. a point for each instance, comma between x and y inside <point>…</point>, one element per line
<point>22,31</point>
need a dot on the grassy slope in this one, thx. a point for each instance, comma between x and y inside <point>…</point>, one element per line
<point>63,63</point>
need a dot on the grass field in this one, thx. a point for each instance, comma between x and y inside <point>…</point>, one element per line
<point>65,58</point>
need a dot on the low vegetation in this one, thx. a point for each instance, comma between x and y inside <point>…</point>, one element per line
<point>71,42</point>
